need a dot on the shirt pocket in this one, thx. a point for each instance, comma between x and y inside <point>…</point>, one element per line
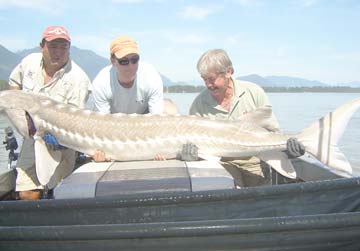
<point>28,80</point>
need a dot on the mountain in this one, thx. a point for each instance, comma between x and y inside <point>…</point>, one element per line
<point>354,84</point>
<point>166,81</point>
<point>26,52</point>
<point>88,60</point>
<point>93,63</point>
<point>8,60</point>
<point>257,79</point>
<point>293,82</point>
<point>281,81</point>
<point>192,82</point>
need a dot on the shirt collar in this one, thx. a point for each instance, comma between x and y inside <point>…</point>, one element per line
<point>62,70</point>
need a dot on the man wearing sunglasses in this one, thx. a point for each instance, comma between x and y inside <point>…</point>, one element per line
<point>228,98</point>
<point>128,85</point>
<point>53,74</point>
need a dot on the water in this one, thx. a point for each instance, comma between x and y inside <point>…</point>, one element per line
<point>294,111</point>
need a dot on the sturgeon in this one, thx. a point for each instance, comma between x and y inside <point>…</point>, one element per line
<point>140,137</point>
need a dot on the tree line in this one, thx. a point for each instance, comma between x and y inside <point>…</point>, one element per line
<point>343,89</point>
<point>198,88</point>
<point>194,89</point>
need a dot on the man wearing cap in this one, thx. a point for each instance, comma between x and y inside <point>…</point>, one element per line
<point>128,85</point>
<point>53,74</point>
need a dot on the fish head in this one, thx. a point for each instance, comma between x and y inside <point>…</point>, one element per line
<point>20,100</point>
<point>19,107</point>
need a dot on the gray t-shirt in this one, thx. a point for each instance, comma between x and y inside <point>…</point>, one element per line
<point>146,95</point>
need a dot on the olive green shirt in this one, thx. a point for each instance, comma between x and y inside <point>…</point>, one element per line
<point>247,97</point>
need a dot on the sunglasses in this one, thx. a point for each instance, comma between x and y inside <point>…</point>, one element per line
<point>126,61</point>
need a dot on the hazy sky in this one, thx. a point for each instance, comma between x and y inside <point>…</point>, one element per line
<point>312,39</point>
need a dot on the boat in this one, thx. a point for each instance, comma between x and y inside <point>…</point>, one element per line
<point>177,205</point>
<point>7,182</point>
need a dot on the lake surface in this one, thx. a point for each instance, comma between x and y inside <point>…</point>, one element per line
<point>295,111</point>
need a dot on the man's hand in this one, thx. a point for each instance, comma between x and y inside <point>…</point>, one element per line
<point>52,143</point>
<point>159,157</point>
<point>189,152</point>
<point>294,148</point>
<point>99,156</point>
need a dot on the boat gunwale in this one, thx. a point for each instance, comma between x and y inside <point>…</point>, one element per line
<point>174,198</point>
<point>182,228</point>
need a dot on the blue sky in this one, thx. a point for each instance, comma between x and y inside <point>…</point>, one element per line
<point>312,39</point>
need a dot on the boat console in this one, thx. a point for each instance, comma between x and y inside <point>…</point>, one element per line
<point>135,177</point>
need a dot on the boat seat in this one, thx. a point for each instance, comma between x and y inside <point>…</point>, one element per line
<point>135,177</point>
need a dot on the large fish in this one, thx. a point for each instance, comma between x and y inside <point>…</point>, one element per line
<point>140,137</point>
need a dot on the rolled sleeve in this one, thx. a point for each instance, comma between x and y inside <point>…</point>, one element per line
<point>15,79</point>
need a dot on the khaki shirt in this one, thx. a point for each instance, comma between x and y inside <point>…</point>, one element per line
<point>247,97</point>
<point>69,85</point>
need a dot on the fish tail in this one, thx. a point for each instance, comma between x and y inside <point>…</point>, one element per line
<point>320,139</point>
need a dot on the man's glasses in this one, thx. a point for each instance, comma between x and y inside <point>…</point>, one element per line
<point>126,61</point>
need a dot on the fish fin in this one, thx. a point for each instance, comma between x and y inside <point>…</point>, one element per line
<point>320,139</point>
<point>262,117</point>
<point>257,115</point>
<point>251,128</point>
<point>46,161</point>
<point>280,162</point>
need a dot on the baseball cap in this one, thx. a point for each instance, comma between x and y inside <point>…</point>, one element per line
<point>54,32</point>
<point>123,45</point>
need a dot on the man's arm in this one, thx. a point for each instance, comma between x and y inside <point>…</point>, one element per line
<point>14,87</point>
